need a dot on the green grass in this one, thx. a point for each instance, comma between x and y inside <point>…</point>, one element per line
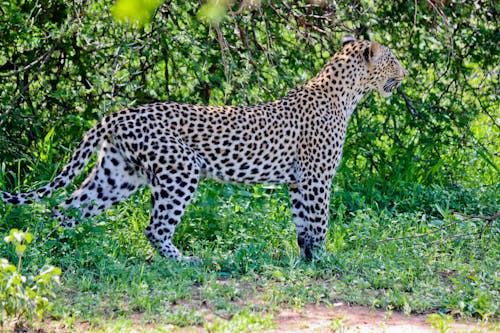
<point>391,248</point>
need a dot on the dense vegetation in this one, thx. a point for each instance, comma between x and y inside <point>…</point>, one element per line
<point>413,222</point>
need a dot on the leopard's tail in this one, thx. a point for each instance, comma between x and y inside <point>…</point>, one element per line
<point>92,139</point>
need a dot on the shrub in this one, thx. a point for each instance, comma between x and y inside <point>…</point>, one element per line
<point>22,296</point>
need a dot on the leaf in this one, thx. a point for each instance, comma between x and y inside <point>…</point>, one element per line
<point>441,211</point>
<point>28,237</point>
<point>213,11</point>
<point>20,248</point>
<point>12,235</point>
<point>138,12</point>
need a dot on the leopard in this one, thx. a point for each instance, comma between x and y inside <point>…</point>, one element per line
<point>296,141</point>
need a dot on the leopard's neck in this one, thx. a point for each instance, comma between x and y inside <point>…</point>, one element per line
<point>340,83</point>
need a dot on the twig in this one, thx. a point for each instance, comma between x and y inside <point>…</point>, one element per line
<point>388,239</point>
<point>408,104</point>
<point>300,19</point>
<point>439,241</point>
<point>225,52</point>
<point>489,219</point>
<point>439,10</point>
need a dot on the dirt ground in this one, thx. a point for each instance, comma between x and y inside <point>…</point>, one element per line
<point>338,318</point>
<point>358,319</point>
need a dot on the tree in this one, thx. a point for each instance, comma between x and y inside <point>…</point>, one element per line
<point>64,65</point>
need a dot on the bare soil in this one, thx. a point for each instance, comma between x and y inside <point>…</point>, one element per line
<point>359,319</point>
<point>338,318</point>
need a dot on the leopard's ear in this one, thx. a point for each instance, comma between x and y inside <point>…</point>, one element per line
<point>347,39</point>
<point>372,52</point>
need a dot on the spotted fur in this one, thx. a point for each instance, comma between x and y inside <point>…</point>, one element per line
<point>296,140</point>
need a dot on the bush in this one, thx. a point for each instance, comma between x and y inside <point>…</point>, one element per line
<point>73,63</point>
<point>24,296</point>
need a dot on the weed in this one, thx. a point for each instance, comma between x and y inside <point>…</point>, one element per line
<point>244,322</point>
<point>439,322</point>
<point>248,243</point>
<point>337,325</point>
<point>24,296</point>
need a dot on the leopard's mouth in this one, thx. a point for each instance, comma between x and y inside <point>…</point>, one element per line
<point>390,85</point>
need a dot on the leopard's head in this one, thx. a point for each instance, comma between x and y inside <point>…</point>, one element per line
<point>382,72</point>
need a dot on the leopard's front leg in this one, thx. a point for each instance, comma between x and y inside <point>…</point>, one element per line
<point>310,199</point>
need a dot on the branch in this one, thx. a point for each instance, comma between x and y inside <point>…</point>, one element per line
<point>388,239</point>
<point>300,19</point>
<point>409,105</point>
<point>489,220</point>
<point>42,59</point>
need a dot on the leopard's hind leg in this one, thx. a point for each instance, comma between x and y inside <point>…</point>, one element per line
<point>172,187</point>
<point>112,180</point>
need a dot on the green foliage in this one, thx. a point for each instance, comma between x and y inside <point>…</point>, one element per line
<point>404,250</point>
<point>138,12</point>
<point>440,322</point>
<point>65,65</point>
<point>242,322</point>
<point>213,11</point>
<point>24,296</point>
<point>411,162</point>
